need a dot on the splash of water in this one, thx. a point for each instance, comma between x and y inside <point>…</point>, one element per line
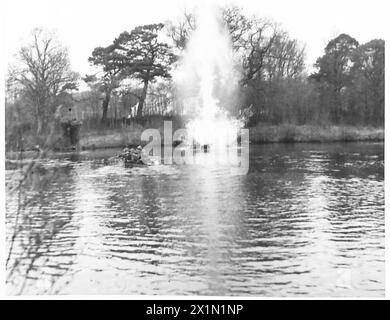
<point>207,74</point>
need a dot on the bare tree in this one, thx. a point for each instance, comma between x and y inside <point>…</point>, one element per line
<point>43,72</point>
<point>239,26</point>
<point>286,59</point>
<point>257,45</point>
<point>180,30</point>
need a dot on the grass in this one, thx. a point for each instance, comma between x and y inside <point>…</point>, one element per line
<point>111,138</point>
<point>129,134</point>
<point>91,138</point>
<point>259,134</point>
<point>310,133</point>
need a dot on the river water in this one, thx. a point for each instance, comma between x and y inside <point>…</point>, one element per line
<point>307,219</point>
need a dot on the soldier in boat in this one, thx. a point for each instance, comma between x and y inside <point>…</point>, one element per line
<point>131,155</point>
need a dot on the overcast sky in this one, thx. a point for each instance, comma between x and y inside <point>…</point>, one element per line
<point>84,24</point>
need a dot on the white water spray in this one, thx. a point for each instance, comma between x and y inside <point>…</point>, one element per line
<point>206,73</point>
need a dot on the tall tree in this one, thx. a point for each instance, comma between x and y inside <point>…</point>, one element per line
<point>111,74</point>
<point>43,73</point>
<point>239,26</point>
<point>180,30</point>
<point>286,59</point>
<point>334,71</point>
<point>142,56</point>
<point>368,73</point>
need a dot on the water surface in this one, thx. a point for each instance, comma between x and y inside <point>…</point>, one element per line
<point>307,219</point>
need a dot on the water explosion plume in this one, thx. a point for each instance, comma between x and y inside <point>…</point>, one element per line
<point>207,76</point>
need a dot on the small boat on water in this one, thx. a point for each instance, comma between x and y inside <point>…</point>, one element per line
<point>133,157</point>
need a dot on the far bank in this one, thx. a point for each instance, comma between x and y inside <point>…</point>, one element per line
<point>120,136</point>
<point>113,138</point>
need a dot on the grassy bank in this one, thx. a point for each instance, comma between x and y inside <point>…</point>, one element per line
<point>111,138</point>
<point>260,134</point>
<point>125,134</point>
<point>310,133</point>
<point>131,134</point>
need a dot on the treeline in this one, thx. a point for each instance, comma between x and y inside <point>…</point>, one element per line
<point>346,89</point>
<point>349,82</point>
<point>347,86</point>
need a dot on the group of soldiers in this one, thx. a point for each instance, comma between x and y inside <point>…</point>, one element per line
<point>132,155</point>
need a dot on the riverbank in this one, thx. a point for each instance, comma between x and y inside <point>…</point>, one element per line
<point>260,134</point>
<point>310,133</point>
<point>257,135</point>
<point>111,138</point>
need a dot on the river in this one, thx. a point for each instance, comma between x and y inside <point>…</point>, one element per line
<point>307,220</point>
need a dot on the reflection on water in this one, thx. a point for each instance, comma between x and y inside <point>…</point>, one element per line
<point>308,219</point>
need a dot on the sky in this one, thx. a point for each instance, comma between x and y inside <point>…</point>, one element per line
<point>83,25</point>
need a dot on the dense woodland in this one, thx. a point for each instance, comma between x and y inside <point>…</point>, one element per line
<point>346,88</point>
